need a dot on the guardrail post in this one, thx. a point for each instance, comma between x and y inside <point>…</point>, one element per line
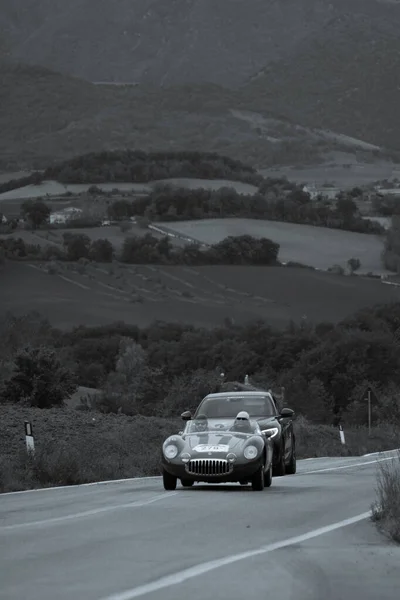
<point>341,433</point>
<point>30,442</point>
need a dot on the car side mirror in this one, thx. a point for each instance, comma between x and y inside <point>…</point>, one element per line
<point>187,415</point>
<point>287,413</point>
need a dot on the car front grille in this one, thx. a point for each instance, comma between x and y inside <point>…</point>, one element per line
<point>209,466</point>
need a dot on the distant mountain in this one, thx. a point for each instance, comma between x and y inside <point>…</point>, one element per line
<point>345,78</point>
<point>168,41</point>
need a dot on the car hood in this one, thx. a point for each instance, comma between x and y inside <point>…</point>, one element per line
<point>219,443</point>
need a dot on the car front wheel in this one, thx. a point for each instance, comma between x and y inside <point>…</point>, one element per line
<point>257,481</point>
<point>292,466</point>
<point>169,481</point>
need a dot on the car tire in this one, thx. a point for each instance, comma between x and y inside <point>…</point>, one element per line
<point>268,477</point>
<point>257,481</point>
<point>187,482</point>
<point>280,468</point>
<point>292,466</point>
<point>169,481</point>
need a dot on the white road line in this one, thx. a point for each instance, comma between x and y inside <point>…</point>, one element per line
<point>201,569</point>
<point>361,464</point>
<point>82,485</point>
<point>88,513</point>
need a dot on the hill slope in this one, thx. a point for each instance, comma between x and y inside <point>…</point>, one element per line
<point>46,117</point>
<point>344,79</point>
<point>159,42</point>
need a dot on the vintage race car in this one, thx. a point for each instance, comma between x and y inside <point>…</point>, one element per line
<point>215,451</point>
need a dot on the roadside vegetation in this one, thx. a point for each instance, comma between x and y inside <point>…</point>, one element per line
<point>386,509</point>
<point>147,249</point>
<point>144,379</point>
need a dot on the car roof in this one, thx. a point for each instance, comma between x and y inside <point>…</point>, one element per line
<point>237,393</point>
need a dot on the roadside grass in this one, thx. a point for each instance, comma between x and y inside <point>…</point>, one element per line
<point>386,509</point>
<point>314,440</point>
<point>75,447</point>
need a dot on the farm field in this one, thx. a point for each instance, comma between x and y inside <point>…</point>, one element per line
<point>343,171</point>
<point>319,247</point>
<point>101,293</point>
<point>54,188</point>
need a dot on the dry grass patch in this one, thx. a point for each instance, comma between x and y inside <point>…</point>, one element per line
<point>73,447</point>
<point>314,441</point>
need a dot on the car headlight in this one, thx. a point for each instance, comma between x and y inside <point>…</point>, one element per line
<point>250,452</point>
<point>185,457</point>
<point>271,431</point>
<point>170,451</point>
<point>231,457</point>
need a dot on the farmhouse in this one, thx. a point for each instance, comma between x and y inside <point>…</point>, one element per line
<point>63,215</point>
<point>326,192</point>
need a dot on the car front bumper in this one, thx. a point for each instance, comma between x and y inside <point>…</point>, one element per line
<point>237,472</point>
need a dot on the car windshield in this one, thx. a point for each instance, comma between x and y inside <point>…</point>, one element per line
<point>229,406</point>
<point>205,426</point>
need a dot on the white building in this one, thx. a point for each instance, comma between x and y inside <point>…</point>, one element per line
<point>64,215</point>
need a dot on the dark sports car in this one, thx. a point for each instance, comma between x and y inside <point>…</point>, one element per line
<point>218,451</point>
<point>262,408</point>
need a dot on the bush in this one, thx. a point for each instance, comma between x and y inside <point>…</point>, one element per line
<point>101,251</point>
<point>386,509</point>
<point>77,246</point>
<point>38,379</point>
<point>36,211</point>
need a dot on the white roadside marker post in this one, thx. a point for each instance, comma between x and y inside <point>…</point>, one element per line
<point>341,433</point>
<point>30,442</point>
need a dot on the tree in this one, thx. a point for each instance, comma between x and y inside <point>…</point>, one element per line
<point>36,211</point>
<point>245,249</point>
<point>39,379</point>
<point>124,385</point>
<point>76,245</point>
<point>101,251</point>
<point>346,207</point>
<point>354,264</point>
<point>186,391</point>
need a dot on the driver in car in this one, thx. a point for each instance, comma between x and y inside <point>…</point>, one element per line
<point>201,423</point>
<point>242,423</point>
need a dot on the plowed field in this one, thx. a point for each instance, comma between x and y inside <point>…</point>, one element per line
<point>99,294</point>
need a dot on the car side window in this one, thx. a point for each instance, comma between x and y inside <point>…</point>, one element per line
<point>274,405</point>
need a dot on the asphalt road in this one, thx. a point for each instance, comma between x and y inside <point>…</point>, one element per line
<point>307,537</point>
